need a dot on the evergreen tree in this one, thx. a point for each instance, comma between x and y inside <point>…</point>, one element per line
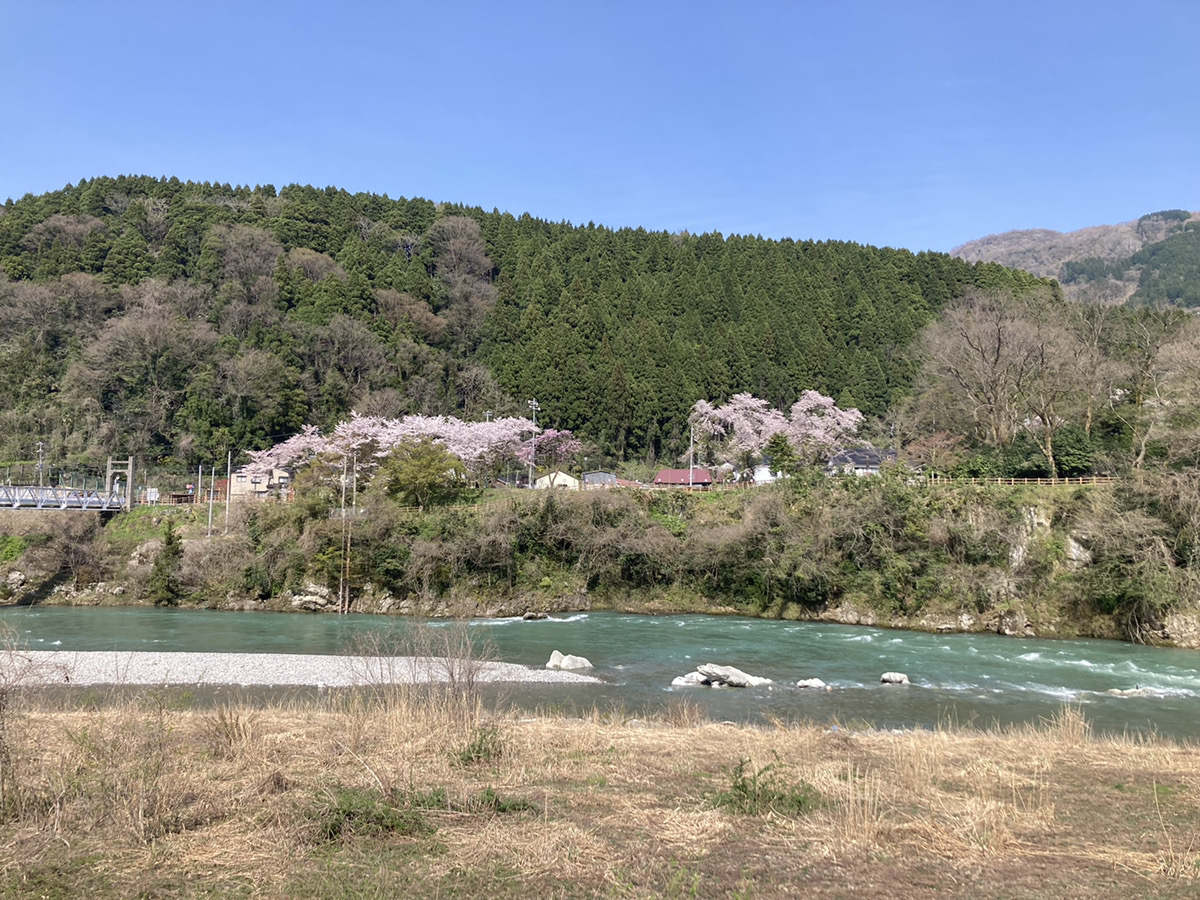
<point>163,586</point>
<point>128,262</point>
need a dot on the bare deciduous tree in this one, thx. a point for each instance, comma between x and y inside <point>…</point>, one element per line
<point>67,231</point>
<point>315,266</point>
<point>401,309</point>
<point>247,253</point>
<point>460,249</point>
<point>1159,367</point>
<point>977,353</point>
<point>1048,389</point>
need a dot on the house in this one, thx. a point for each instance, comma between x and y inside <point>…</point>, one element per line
<point>557,479</point>
<point>693,478</point>
<point>258,485</point>
<point>763,474</point>
<point>859,461</point>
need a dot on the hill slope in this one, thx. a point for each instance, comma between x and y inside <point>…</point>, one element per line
<point>177,320</point>
<point>1156,257</point>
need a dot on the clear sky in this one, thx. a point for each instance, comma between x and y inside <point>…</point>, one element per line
<point>909,123</point>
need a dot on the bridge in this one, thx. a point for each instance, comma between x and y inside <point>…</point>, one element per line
<point>35,497</point>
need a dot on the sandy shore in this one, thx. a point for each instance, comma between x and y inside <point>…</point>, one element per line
<point>66,667</point>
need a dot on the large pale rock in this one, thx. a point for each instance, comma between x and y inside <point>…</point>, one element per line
<point>1013,623</point>
<point>567,661</point>
<point>893,678</point>
<point>1182,629</point>
<point>314,597</point>
<point>815,683</point>
<point>730,676</point>
<point>691,679</point>
<point>1076,554</point>
<point>15,580</point>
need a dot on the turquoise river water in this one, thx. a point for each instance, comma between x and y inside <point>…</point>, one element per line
<point>980,679</point>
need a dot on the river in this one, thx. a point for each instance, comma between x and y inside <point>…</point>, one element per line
<point>981,679</point>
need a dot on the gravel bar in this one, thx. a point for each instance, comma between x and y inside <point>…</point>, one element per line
<point>138,667</point>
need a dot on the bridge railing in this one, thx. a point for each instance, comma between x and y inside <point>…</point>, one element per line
<point>34,497</point>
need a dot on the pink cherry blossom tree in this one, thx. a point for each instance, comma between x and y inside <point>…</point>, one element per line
<point>738,430</point>
<point>551,448</point>
<point>367,440</point>
<point>817,427</point>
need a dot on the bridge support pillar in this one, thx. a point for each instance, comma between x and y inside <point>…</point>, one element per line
<point>113,475</point>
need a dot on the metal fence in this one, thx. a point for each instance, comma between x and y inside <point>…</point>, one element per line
<point>26,497</point>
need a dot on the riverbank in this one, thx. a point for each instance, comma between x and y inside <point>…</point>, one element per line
<point>1056,561</point>
<point>397,793</point>
<point>265,669</point>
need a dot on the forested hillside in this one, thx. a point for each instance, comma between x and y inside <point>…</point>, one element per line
<point>1154,259</point>
<point>179,320</point>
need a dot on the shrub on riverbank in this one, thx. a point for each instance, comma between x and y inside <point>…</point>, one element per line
<point>1067,559</point>
<point>1101,560</point>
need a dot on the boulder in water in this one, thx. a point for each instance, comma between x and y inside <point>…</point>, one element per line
<point>729,676</point>
<point>894,678</point>
<point>567,661</point>
<point>691,679</point>
<point>815,683</point>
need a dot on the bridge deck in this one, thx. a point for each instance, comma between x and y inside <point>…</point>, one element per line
<point>33,497</point>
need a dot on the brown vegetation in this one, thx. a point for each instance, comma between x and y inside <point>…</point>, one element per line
<point>386,794</point>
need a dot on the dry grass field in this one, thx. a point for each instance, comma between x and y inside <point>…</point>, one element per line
<point>419,792</point>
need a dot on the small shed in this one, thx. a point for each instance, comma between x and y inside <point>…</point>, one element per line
<point>593,481</point>
<point>695,478</point>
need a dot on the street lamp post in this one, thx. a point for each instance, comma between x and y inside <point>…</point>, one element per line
<point>534,407</point>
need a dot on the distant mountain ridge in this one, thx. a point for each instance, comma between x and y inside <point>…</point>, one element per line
<point>1155,257</point>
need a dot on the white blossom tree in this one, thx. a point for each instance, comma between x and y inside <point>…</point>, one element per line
<point>817,427</point>
<point>367,440</point>
<point>739,430</point>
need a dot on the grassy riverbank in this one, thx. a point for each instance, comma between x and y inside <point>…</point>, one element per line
<point>402,793</point>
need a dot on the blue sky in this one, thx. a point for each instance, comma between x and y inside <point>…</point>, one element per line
<point>915,124</point>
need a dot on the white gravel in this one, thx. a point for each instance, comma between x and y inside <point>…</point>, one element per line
<point>137,667</point>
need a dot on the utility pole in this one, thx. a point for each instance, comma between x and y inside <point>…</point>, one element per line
<point>212,489</point>
<point>343,586</point>
<point>41,462</point>
<point>534,407</point>
<point>228,486</point>
<point>691,455</point>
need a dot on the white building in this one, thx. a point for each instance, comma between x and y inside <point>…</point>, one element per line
<point>259,485</point>
<point>557,479</point>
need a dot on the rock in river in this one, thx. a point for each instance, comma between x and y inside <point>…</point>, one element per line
<point>561,661</point>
